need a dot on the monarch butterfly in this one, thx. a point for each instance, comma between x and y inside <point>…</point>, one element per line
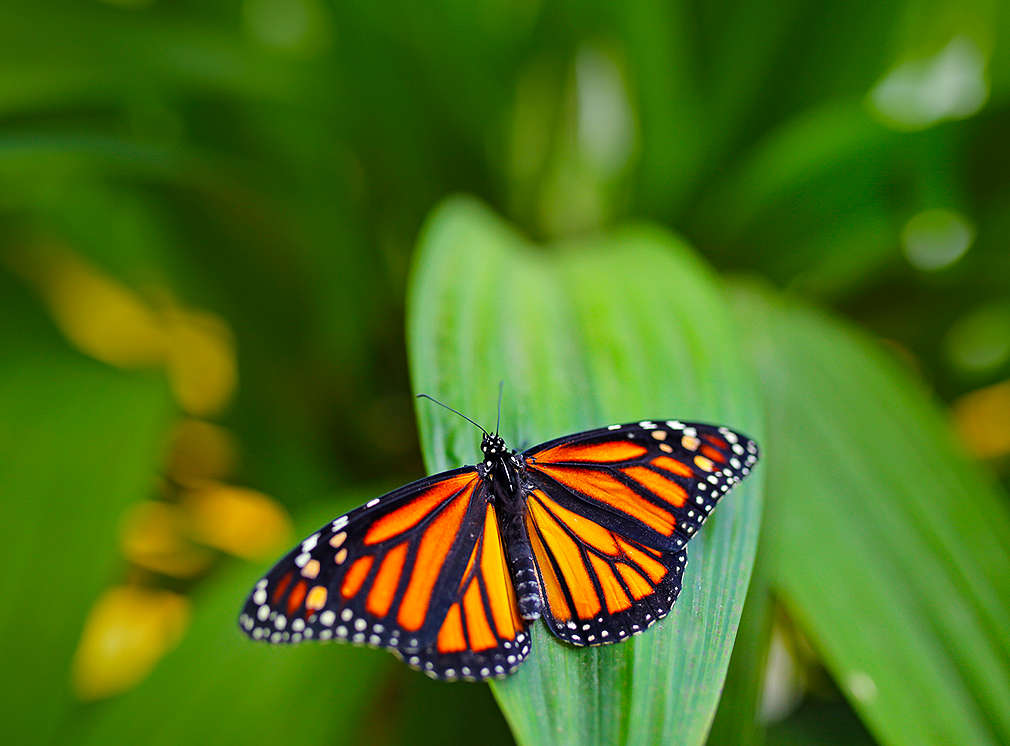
<point>588,531</point>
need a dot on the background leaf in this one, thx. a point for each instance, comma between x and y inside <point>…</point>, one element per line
<point>607,330</point>
<point>882,542</point>
<point>60,508</point>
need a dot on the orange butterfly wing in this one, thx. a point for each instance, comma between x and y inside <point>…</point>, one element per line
<point>420,571</point>
<point>482,634</point>
<point>609,513</point>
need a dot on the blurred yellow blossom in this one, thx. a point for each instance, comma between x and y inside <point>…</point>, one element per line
<point>128,630</point>
<point>201,361</point>
<point>116,325</point>
<point>130,627</point>
<point>154,538</point>
<point>98,315</point>
<point>200,450</point>
<point>236,520</point>
<point>982,418</point>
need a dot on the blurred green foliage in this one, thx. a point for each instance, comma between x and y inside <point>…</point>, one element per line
<point>210,211</point>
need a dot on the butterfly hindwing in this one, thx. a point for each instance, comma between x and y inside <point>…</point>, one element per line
<point>420,571</point>
<point>609,513</point>
<point>600,585</point>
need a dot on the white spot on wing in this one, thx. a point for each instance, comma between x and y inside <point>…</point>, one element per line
<point>310,543</point>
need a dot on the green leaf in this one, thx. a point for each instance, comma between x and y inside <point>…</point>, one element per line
<point>615,329</point>
<point>884,543</point>
<point>736,721</point>
<point>80,442</point>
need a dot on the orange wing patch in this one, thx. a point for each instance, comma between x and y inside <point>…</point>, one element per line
<point>652,568</point>
<point>569,559</point>
<point>297,596</point>
<point>673,466</point>
<point>488,603</point>
<point>282,585</point>
<point>588,531</point>
<point>498,581</point>
<point>450,636</point>
<point>552,586</point>
<point>639,586</point>
<point>713,454</point>
<point>716,441</point>
<point>481,636</point>
<point>355,577</point>
<point>431,554</point>
<point>600,453</point>
<point>613,593</point>
<point>603,487</point>
<point>405,518</point>
<point>672,492</point>
<point>380,598</point>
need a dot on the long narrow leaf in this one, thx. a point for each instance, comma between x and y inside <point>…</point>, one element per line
<point>618,329</point>
<point>889,549</point>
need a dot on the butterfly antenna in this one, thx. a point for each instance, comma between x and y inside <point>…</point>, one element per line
<point>501,385</point>
<point>425,396</point>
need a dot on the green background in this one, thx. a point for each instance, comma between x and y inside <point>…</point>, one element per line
<point>788,217</point>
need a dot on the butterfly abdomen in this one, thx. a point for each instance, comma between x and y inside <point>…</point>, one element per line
<point>524,572</point>
<point>518,550</point>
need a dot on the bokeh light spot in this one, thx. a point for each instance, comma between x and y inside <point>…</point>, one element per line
<point>936,239</point>
<point>979,342</point>
<point>982,419</point>
<point>920,93</point>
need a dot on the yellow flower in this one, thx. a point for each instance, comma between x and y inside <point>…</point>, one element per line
<point>114,324</point>
<point>236,520</point>
<point>127,632</point>
<point>154,538</point>
<point>96,314</point>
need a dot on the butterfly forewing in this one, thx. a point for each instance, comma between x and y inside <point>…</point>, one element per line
<point>609,513</point>
<point>664,478</point>
<point>420,570</point>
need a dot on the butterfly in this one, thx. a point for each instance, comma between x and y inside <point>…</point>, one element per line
<point>588,531</point>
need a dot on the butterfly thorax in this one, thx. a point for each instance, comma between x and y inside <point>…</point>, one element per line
<point>500,463</point>
<point>503,470</point>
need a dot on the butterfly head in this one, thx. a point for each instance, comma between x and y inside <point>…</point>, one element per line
<point>493,447</point>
